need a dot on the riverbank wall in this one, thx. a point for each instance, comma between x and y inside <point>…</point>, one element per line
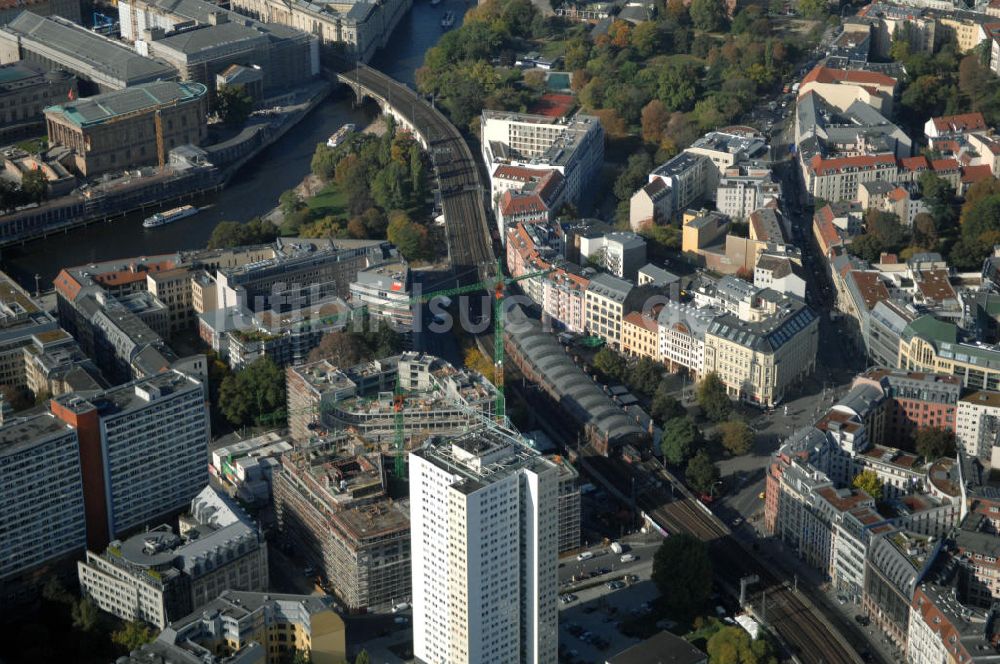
<point>190,174</point>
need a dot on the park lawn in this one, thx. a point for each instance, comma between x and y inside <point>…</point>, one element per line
<point>329,202</point>
<point>33,145</point>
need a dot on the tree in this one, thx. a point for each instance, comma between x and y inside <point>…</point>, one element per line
<point>342,349</point>
<point>868,482</point>
<point>301,657</point>
<point>85,615</point>
<point>18,397</point>
<point>736,436</point>
<point>682,572</point>
<point>732,645</point>
<point>815,9</point>
<point>680,435</point>
<point>655,117</point>
<point>634,176</point>
<point>476,361</point>
<point>939,196</point>
<point>665,407</point>
<point>887,228</point>
<point>867,247</point>
<point>925,232</point>
<point>251,394</point>
<point>132,635</point>
<point>228,234</point>
<point>34,186</point>
<point>324,162</point>
<point>708,15</point>
<point>647,38</point>
<point>711,395</point>
<point>290,201</point>
<point>701,473</point>
<point>610,364</point>
<point>409,237</point>
<point>363,658</point>
<point>932,443</point>
<point>233,104</point>
<point>644,375</point>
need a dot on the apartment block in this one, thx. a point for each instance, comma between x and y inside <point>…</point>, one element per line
<point>485,549</point>
<point>42,493</point>
<point>250,628</point>
<point>573,146</point>
<point>143,450</point>
<point>977,425</point>
<point>334,509</point>
<point>759,360</point>
<point>895,565</point>
<point>159,576</point>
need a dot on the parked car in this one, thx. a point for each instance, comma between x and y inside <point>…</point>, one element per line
<point>402,606</point>
<point>586,555</point>
<point>627,558</point>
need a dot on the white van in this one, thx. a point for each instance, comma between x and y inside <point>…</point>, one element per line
<point>627,558</point>
<point>586,555</point>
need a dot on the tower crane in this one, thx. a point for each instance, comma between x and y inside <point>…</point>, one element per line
<point>497,286</point>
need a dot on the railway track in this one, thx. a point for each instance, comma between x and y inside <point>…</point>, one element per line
<point>468,231</point>
<point>810,638</point>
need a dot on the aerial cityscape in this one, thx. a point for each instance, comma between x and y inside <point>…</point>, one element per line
<point>500,332</point>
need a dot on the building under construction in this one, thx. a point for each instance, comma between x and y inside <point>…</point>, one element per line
<point>434,396</point>
<point>334,510</point>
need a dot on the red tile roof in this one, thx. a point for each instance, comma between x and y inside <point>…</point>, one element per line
<point>940,165</point>
<point>960,123</point>
<point>637,319</point>
<point>519,173</point>
<point>914,163</point>
<point>973,174</point>
<point>821,74</point>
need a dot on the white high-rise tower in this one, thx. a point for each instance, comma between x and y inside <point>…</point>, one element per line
<point>484,537</point>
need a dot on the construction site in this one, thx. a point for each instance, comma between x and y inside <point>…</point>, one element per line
<point>334,511</point>
<point>423,394</point>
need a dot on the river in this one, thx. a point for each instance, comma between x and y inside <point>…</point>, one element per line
<point>255,189</point>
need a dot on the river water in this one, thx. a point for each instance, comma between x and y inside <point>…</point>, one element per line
<point>253,191</point>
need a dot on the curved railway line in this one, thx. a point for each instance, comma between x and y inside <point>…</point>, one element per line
<point>471,247</point>
<point>467,227</point>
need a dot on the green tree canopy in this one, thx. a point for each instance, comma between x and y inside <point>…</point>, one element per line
<point>610,364</point>
<point>133,634</point>
<point>644,375</point>
<point>701,473</point>
<point>408,236</point>
<point>680,436</point>
<point>711,395</point>
<point>35,186</point>
<point>246,396</point>
<point>665,407</point>
<point>868,482</point>
<point>233,104</point>
<point>732,645</point>
<point>708,15</point>
<point>682,572</point>
<point>228,234</point>
<point>736,436</point>
<point>932,443</point>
